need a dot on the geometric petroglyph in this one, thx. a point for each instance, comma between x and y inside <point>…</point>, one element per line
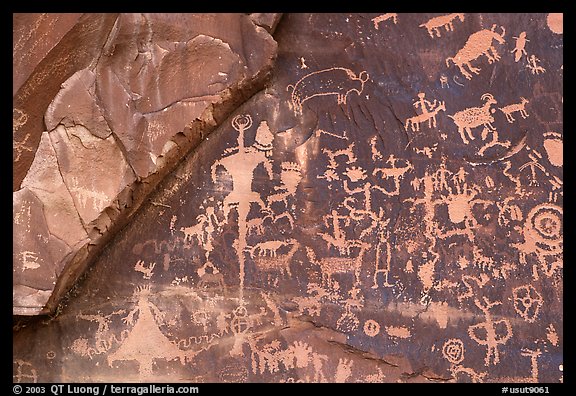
<point>527,302</point>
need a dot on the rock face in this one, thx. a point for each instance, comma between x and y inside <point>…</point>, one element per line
<point>388,208</point>
<point>104,128</point>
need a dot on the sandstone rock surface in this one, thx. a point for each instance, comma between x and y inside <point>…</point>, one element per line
<point>387,208</point>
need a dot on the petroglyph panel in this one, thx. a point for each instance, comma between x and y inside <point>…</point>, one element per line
<point>364,218</point>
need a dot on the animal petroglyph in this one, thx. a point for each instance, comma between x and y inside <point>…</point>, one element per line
<point>336,81</point>
<point>490,333</point>
<point>479,43</point>
<point>519,48</point>
<point>269,248</point>
<point>493,142</point>
<point>446,21</point>
<point>473,117</point>
<point>534,65</point>
<point>104,339</point>
<point>515,107</point>
<point>444,81</point>
<point>385,17</point>
<point>330,266</point>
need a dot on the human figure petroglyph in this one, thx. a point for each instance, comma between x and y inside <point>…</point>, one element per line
<point>385,17</point>
<point>335,81</point>
<point>241,166</point>
<point>534,65</point>
<point>479,43</point>
<point>533,378</point>
<point>428,110</point>
<point>203,231</point>
<point>385,270</point>
<point>543,236</point>
<point>519,48</point>
<point>508,212</point>
<point>146,270</point>
<point>513,108</point>
<point>414,122</point>
<point>446,21</point>
<point>338,237</point>
<point>490,333</point>
<point>425,105</point>
<point>473,117</point>
<point>290,177</point>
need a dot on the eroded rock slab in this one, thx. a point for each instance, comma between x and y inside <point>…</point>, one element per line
<point>145,90</point>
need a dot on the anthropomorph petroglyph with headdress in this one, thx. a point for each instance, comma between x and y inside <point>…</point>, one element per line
<point>241,165</point>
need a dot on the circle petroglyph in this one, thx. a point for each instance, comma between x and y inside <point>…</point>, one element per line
<point>453,350</point>
<point>555,21</point>
<point>371,328</point>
